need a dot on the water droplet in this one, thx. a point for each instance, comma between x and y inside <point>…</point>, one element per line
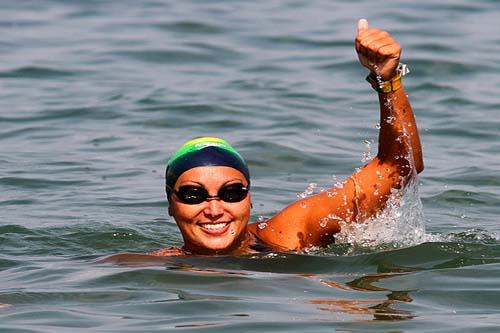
<point>311,186</point>
<point>323,222</point>
<point>377,126</point>
<point>232,232</point>
<point>262,225</point>
<point>334,217</point>
<point>308,191</point>
<point>303,204</point>
<point>368,154</point>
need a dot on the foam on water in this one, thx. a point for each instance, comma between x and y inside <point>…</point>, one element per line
<point>400,224</point>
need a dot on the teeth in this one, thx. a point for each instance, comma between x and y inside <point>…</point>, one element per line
<point>214,226</point>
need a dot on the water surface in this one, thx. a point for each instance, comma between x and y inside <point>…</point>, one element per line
<point>95,95</point>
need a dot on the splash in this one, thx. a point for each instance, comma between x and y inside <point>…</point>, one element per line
<point>400,224</point>
<point>475,235</point>
<point>308,191</point>
<point>367,155</point>
<point>261,222</point>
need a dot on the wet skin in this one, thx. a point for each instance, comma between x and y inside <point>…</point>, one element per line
<point>213,226</point>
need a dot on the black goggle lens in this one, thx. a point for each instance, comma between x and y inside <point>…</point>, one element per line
<point>194,195</point>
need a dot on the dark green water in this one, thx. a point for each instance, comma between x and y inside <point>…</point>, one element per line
<point>95,95</point>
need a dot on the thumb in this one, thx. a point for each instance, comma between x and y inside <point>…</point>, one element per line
<point>362,26</point>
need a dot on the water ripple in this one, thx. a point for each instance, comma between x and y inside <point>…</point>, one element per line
<point>191,27</point>
<point>74,113</point>
<point>205,54</point>
<point>462,198</point>
<point>284,41</point>
<point>445,67</point>
<point>94,93</point>
<point>40,183</point>
<point>33,72</point>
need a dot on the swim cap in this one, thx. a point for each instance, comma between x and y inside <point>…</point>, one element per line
<point>205,151</point>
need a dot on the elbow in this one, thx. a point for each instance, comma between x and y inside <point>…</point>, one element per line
<point>419,166</point>
<point>418,161</point>
<point>407,167</point>
<point>404,165</point>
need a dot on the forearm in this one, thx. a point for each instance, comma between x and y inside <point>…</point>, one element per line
<point>399,141</point>
<point>380,53</point>
<point>399,155</point>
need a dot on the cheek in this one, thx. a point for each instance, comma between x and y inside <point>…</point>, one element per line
<point>242,212</point>
<point>183,213</point>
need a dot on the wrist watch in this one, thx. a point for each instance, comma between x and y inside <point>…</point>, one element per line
<point>393,84</point>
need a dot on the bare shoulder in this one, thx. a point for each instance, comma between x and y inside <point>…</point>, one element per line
<point>268,239</point>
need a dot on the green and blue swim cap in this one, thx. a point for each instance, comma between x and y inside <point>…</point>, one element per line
<point>204,151</point>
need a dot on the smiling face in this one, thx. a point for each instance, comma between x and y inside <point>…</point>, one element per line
<point>213,226</point>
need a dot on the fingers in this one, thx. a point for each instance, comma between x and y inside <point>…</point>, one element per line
<point>362,26</point>
<point>376,44</point>
<point>392,50</point>
<point>377,50</point>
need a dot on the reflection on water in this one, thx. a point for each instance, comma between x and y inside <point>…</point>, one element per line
<point>228,293</point>
<point>360,289</point>
<point>379,309</point>
<point>94,95</point>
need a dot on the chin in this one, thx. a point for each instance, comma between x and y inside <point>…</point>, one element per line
<point>220,245</point>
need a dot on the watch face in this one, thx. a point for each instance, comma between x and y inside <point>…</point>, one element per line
<point>403,69</point>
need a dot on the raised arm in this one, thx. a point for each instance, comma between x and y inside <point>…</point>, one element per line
<point>380,53</point>
<point>315,220</point>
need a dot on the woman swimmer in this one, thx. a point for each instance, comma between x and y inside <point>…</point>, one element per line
<point>207,181</point>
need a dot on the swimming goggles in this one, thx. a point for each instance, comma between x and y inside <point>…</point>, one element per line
<point>194,195</point>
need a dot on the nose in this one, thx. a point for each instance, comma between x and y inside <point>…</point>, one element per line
<point>214,208</point>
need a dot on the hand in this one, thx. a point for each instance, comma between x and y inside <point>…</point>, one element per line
<point>377,51</point>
